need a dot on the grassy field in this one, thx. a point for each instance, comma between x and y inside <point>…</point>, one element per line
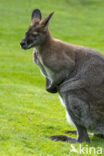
<point>28,114</point>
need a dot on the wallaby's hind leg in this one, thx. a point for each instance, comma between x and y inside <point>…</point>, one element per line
<point>79,113</point>
<point>78,110</point>
<point>82,136</point>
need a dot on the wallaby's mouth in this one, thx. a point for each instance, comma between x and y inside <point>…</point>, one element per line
<point>25,46</point>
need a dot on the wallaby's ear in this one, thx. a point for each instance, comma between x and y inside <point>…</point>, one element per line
<point>36,14</point>
<point>45,21</point>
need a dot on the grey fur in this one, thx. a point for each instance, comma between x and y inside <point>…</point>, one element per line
<point>76,73</point>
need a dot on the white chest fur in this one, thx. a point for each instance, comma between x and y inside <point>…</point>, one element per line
<point>50,74</point>
<point>44,69</point>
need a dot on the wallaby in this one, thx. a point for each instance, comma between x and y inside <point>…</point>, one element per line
<point>75,72</point>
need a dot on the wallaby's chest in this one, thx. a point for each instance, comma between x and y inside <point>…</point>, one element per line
<point>47,72</point>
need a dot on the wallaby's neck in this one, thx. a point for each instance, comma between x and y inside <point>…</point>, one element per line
<point>47,43</point>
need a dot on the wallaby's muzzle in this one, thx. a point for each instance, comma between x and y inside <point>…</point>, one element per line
<point>23,44</point>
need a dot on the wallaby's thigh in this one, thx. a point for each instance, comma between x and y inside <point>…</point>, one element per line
<point>78,109</point>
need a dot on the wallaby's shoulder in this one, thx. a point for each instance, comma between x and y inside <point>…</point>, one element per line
<point>78,49</point>
<point>71,47</point>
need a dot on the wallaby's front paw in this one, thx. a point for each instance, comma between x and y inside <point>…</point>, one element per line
<point>51,90</point>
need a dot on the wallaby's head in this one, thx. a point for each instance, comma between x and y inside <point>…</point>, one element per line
<point>37,32</point>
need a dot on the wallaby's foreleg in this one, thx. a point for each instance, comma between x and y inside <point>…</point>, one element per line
<point>48,82</point>
<point>71,84</point>
<point>50,88</point>
<point>59,78</point>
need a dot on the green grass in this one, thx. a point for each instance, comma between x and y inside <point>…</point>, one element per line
<point>28,114</point>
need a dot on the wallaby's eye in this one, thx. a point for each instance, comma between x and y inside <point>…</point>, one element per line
<point>34,35</point>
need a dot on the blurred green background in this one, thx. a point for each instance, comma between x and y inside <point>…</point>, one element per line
<point>28,114</point>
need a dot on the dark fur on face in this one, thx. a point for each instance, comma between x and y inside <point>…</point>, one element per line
<point>37,32</point>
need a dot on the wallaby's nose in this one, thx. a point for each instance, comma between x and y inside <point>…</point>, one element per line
<point>23,44</point>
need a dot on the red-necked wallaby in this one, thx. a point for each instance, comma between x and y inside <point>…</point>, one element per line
<point>75,72</point>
